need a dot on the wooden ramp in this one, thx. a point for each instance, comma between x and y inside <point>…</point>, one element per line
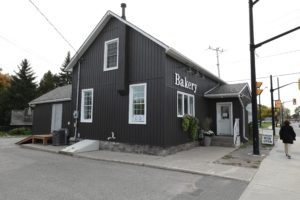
<point>33,138</point>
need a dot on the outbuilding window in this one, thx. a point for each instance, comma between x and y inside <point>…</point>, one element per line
<point>137,103</point>
<point>86,105</point>
<point>111,54</point>
<point>185,104</point>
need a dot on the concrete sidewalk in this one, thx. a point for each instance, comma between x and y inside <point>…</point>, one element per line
<point>199,160</point>
<point>278,177</point>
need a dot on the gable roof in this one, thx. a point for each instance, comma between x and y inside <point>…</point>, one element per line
<point>168,50</point>
<point>227,90</point>
<point>56,95</point>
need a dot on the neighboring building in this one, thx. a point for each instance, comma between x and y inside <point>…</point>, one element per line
<point>21,118</point>
<point>131,85</point>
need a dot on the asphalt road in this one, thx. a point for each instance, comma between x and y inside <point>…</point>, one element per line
<point>296,126</point>
<point>33,175</point>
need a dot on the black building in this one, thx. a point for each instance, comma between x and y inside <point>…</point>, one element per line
<point>128,83</point>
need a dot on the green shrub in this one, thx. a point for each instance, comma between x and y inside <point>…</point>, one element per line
<point>20,131</point>
<point>2,134</point>
<point>185,123</point>
<point>194,126</point>
<point>190,125</point>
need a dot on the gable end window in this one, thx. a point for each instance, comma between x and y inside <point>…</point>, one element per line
<point>185,104</point>
<point>137,103</point>
<point>86,105</point>
<point>111,54</point>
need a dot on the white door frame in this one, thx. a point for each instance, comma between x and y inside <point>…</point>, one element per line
<point>56,117</point>
<point>230,116</point>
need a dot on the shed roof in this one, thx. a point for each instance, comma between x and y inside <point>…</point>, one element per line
<point>227,90</point>
<point>56,95</point>
<point>168,50</point>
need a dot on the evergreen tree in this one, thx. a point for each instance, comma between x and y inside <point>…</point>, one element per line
<point>47,83</point>
<point>23,87</point>
<point>65,77</point>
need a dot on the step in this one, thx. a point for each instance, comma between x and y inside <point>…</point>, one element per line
<point>223,141</point>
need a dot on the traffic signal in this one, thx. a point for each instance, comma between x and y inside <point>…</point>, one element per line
<point>277,104</point>
<point>294,101</point>
<point>258,84</point>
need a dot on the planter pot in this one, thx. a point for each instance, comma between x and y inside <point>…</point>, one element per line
<point>207,140</point>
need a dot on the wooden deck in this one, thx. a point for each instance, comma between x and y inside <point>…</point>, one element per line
<point>34,138</point>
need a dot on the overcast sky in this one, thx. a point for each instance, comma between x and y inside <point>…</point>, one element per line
<point>189,26</point>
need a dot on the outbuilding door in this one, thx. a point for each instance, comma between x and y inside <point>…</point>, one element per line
<point>224,118</point>
<point>56,117</point>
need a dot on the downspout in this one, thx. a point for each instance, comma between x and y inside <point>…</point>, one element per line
<point>77,102</point>
<point>244,123</point>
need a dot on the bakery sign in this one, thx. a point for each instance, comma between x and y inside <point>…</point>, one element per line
<point>183,82</point>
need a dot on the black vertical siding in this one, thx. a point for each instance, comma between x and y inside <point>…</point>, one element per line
<point>41,123</point>
<point>110,111</point>
<point>42,117</point>
<point>173,131</point>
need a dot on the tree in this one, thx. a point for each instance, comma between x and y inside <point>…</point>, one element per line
<point>4,80</point>
<point>4,99</point>
<point>47,83</point>
<point>65,77</point>
<point>23,87</point>
<point>265,111</point>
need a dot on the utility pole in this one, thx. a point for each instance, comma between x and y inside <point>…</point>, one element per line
<point>272,104</point>
<point>218,50</point>
<point>254,46</point>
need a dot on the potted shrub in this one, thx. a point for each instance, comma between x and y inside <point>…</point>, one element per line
<point>207,132</point>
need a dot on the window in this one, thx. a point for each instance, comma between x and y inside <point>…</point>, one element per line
<point>111,54</point>
<point>86,105</point>
<point>185,104</point>
<point>137,103</point>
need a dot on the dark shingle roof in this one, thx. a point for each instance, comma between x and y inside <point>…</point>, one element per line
<point>227,90</point>
<point>57,95</point>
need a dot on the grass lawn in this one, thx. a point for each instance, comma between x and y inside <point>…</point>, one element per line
<point>266,124</point>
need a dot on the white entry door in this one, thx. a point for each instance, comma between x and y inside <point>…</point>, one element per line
<point>56,117</point>
<point>224,118</point>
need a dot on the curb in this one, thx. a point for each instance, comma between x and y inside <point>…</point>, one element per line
<point>159,167</point>
<point>142,164</point>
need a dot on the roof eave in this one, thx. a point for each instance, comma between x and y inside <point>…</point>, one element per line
<point>48,101</point>
<point>185,60</point>
<point>213,96</point>
<point>90,39</point>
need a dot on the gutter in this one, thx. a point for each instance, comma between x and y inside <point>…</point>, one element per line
<point>77,104</point>
<point>185,60</point>
<point>49,101</point>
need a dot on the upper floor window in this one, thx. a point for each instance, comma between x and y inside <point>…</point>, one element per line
<point>185,104</point>
<point>86,105</point>
<point>137,103</point>
<point>111,54</point>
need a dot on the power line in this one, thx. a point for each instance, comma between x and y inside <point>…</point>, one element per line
<point>25,50</point>
<point>267,56</point>
<point>267,77</point>
<point>51,24</point>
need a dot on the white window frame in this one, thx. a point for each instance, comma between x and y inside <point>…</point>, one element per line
<point>130,112</point>
<point>105,68</point>
<point>182,105</point>
<point>82,119</point>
